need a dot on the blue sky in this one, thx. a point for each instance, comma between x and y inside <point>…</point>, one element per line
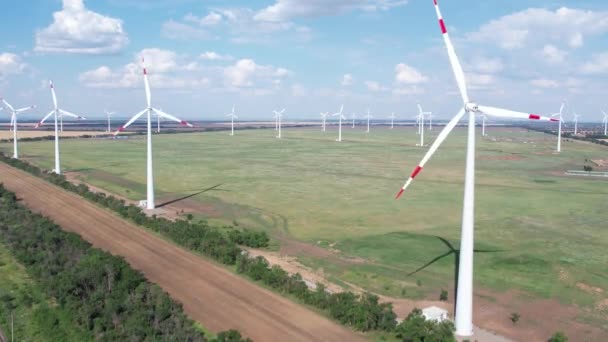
<point>306,55</point>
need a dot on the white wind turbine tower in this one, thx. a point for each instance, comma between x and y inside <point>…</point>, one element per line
<point>605,122</point>
<point>576,116</point>
<point>483,125</point>
<point>464,300</point>
<point>369,116</point>
<point>421,115</point>
<point>232,116</point>
<point>353,116</point>
<point>559,130</point>
<point>324,118</point>
<point>340,117</point>
<point>149,110</point>
<point>109,117</point>
<point>14,113</point>
<point>279,118</point>
<point>392,117</point>
<point>430,115</point>
<point>57,112</point>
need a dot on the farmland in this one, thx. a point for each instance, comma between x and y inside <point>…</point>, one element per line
<point>537,231</point>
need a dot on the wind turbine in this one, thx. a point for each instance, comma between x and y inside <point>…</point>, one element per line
<point>559,130</point>
<point>279,118</point>
<point>483,125</point>
<point>57,112</point>
<point>576,116</point>
<point>14,113</point>
<point>421,115</point>
<point>464,301</point>
<point>340,117</point>
<point>392,117</point>
<point>605,122</point>
<point>430,115</point>
<point>109,116</point>
<point>369,116</point>
<point>324,117</point>
<point>149,110</point>
<point>353,116</point>
<point>232,116</point>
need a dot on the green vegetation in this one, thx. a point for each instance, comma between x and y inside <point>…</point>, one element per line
<point>99,293</point>
<point>541,230</point>
<point>558,337</point>
<point>35,316</point>
<point>415,328</point>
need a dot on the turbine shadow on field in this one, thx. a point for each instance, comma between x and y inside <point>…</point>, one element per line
<point>456,253</point>
<point>213,188</point>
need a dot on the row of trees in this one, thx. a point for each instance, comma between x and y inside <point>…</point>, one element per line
<point>361,312</point>
<point>599,139</point>
<point>104,295</point>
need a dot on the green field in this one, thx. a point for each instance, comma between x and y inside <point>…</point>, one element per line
<point>538,230</point>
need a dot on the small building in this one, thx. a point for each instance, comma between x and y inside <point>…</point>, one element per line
<point>433,313</point>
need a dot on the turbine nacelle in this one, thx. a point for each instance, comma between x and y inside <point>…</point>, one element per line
<point>472,107</point>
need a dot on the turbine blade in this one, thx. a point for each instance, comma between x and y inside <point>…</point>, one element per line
<point>135,117</point>
<point>171,117</point>
<point>7,105</point>
<point>505,113</point>
<point>25,109</point>
<point>53,93</point>
<point>440,138</point>
<point>44,119</point>
<point>456,66</point>
<point>147,85</point>
<point>65,112</point>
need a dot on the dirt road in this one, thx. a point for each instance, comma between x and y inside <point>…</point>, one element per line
<point>211,295</point>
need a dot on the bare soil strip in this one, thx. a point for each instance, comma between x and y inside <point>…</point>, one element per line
<point>216,298</point>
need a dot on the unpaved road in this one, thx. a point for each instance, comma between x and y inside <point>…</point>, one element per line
<point>216,298</point>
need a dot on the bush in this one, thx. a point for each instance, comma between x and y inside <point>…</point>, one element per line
<point>558,337</point>
<point>514,317</point>
<point>415,328</point>
<point>443,296</point>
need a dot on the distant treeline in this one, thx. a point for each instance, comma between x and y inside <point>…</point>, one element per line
<point>595,138</point>
<point>361,312</point>
<point>107,299</point>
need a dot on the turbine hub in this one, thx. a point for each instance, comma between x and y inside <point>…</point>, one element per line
<point>471,107</point>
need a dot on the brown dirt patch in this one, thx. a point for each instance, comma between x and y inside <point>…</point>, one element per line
<point>209,293</point>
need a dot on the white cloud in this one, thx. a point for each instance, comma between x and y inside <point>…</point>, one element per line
<point>210,19</point>
<point>11,64</point>
<point>285,10</point>
<point>564,26</point>
<point>246,72</point>
<point>544,83</point>
<point>374,86</point>
<point>486,65</point>
<point>348,80</point>
<point>214,56</point>
<point>405,74</point>
<point>298,90</point>
<point>553,55</point>
<point>597,65</point>
<point>78,30</point>
<point>181,31</point>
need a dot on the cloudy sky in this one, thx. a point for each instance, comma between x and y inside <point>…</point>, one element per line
<point>307,55</point>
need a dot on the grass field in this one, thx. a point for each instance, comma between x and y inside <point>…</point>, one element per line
<point>538,231</point>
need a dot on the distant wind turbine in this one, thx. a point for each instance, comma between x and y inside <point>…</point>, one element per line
<point>576,116</point>
<point>232,116</point>
<point>483,125</point>
<point>279,118</point>
<point>421,115</point>
<point>57,112</point>
<point>150,205</point>
<point>340,117</point>
<point>109,117</point>
<point>353,120</point>
<point>392,117</point>
<point>14,113</point>
<point>324,117</point>
<point>559,130</point>
<point>369,116</point>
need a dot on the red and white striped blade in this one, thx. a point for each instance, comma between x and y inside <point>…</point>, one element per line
<point>44,119</point>
<point>171,117</point>
<point>440,138</point>
<point>456,66</point>
<point>510,114</point>
<point>147,85</point>
<point>132,120</point>
<point>65,112</point>
<point>53,93</point>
